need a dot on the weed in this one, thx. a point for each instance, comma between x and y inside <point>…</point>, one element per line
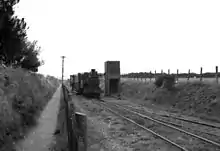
<point>23,95</point>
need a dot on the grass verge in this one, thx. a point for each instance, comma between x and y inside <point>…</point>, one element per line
<point>23,95</point>
<point>194,98</point>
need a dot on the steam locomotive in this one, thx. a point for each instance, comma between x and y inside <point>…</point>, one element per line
<point>86,84</point>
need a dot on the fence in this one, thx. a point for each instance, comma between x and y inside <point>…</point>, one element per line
<point>180,77</point>
<point>74,124</point>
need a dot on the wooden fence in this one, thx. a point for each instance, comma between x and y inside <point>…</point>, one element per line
<point>179,76</point>
<point>74,123</point>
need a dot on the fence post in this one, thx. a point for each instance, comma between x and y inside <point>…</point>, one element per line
<point>81,120</point>
<point>201,74</point>
<point>150,76</point>
<point>188,75</point>
<point>216,73</point>
<point>72,128</point>
<point>177,73</point>
<point>144,76</point>
<point>141,77</point>
<point>68,122</point>
<point>168,71</point>
<point>162,71</point>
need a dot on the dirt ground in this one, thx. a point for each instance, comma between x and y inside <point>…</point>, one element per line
<point>108,132</point>
<point>196,99</point>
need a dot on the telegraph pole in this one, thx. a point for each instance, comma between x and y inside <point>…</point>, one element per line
<point>62,66</point>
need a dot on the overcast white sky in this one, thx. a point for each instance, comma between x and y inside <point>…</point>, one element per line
<point>143,34</point>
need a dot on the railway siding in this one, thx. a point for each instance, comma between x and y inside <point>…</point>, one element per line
<point>115,133</point>
<point>207,129</point>
<point>180,138</point>
<point>197,99</point>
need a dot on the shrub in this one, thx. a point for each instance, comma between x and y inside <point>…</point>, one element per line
<point>165,81</point>
<point>22,99</point>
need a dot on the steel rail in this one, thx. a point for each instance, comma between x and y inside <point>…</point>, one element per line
<point>187,120</point>
<point>149,130</point>
<point>171,126</point>
<point>183,119</point>
<point>163,120</point>
<point>180,125</point>
<point>191,121</point>
<point>179,118</point>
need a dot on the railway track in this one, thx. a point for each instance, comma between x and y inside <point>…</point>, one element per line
<point>165,129</point>
<point>214,130</point>
<point>179,118</point>
<point>182,123</point>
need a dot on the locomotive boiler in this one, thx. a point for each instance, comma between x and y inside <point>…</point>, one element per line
<point>86,84</point>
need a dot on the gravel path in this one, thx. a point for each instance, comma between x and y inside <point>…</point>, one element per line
<point>41,136</point>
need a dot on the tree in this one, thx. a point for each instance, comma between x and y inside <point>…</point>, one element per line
<point>15,49</point>
<point>30,59</point>
<point>12,32</point>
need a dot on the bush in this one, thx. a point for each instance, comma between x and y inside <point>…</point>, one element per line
<point>21,100</point>
<point>165,81</point>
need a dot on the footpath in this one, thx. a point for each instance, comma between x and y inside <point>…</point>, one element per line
<point>41,136</point>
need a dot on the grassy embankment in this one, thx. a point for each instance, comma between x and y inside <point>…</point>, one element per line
<point>193,98</point>
<point>23,95</point>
